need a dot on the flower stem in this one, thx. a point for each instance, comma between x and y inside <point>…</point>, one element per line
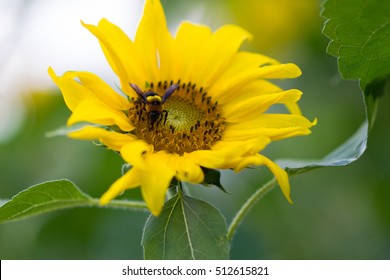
<point>124,204</point>
<point>246,207</point>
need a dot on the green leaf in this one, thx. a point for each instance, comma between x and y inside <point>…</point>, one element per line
<point>359,31</point>
<point>371,98</point>
<point>187,229</point>
<point>345,154</point>
<point>43,198</point>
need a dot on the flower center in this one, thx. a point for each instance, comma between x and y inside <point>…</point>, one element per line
<point>188,120</point>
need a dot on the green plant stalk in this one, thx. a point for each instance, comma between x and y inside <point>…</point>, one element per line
<point>124,204</point>
<point>247,206</point>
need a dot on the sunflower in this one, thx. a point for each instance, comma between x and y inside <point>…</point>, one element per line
<point>188,102</point>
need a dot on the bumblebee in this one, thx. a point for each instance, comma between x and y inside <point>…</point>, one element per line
<point>154,103</point>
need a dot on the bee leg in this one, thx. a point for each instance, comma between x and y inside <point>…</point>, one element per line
<point>140,115</point>
<point>159,120</point>
<point>151,124</point>
<point>164,114</point>
<point>141,111</point>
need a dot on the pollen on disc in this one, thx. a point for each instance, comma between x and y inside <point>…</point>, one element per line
<point>193,121</point>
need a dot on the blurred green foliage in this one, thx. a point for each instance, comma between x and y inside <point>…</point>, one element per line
<point>338,213</point>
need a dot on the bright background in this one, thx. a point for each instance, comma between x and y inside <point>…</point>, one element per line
<point>338,213</point>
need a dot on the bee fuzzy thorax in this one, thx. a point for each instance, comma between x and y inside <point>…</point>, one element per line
<point>153,99</point>
<point>177,118</point>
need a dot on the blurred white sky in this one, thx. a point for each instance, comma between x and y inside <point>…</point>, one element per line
<point>36,34</point>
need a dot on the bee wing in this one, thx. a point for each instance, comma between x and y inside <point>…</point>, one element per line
<point>169,92</point>
<point>139,92</point>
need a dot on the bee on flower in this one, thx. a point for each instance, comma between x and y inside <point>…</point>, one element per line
<point>154,103</point>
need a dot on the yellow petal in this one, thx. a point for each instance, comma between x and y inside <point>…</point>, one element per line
<point>224,154</point>
<point>244,162</point>
<point>136,152</point>
<point>190,51</point>
<point>242,69</point>
<point>223,47</point>
<point>153,35</point>
<point>229,87</point>
<point>102,91</point>
<point>274,126</point>
<point>241,82</point>
<point>153,40</point>
<point>130,179</point>
<point>154,176</point>
<point>247,109</point>
<point>126,51</point>
<point>293,108</point>
<point>280,175</point>
<point>155,180</point>
<point>111,139</point>
<point>251,146</point>
<point>72,91</point>
<point>280,71</point>
<point>244,60</point>
<point>99,113</point>
<point>234,90</point>
<point>275,121</point>
<point>76,87</point>
<point>211,159</point>
<point>187,170</point>
<point>112,55</point>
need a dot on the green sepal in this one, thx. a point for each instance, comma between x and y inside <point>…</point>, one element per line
<point>125,168</point>
<point>212,177</point>
<point>174,183</point>
<point>65,130</point>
